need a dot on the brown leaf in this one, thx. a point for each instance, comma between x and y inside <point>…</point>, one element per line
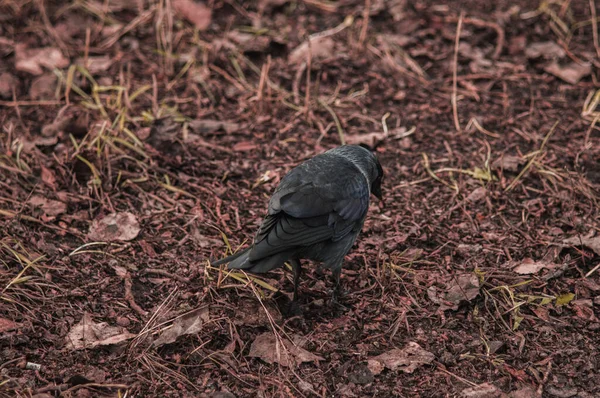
<point>207,126</point>
<point>43,87</point>
<point>190,323</point>
<point>196,13</point>
<point>48,177</point>
<point>32,60</point>
<point>463,287</point>
<point>320,47</point>
<point>477,195</point>
<point>8,83</point>
<point>528,266</point>
<point>588,241</point>
<point>96,64</point>
<point>48,206</point>
<point>7,325</point>
<point>244,146</point>
<point>267,348</point>
<point>508,162</point>
<point>370,139</point>
<point>571,73</point>
<point>546,49</point>
<point>115,226</point>
<point>89,334</point>
<point>485,390</point>
<point>407,359</point>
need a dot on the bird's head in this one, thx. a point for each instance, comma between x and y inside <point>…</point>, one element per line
<point>376,184</point>
<point>366,160</point>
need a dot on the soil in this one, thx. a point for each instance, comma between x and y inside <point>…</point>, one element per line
<point>140,140</point>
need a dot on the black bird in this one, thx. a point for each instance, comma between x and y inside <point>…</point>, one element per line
<point>316,213</point>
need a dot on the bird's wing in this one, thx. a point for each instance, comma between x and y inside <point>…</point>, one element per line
<point>303,213</point>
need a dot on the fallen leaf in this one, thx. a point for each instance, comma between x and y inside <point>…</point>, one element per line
<point>407,359</point>
<point>244,146</point>
<point>584,309</point>
<point>508,162</point>
<point>115,226</point>
<point>463,287</point>
<point>89,334</point>
<point>7,325</point>
<point>196,13</point>
<point>485,390</point>
<point>48,177</point>
<point>525,392</point>
<point>265,347</point>
<point>564,299</point>
<point>48,206</point>
<point>97,64</point>
<point>528,266</point>
<point>8,83</point>
<point>43,87</point>
<point>571,73</point>
<point>207,126</point>
<point>545,49</point>
<point>370,139</point>
<point>32,60</point>
<point>587,241</point>
<point>190,323</point>
<point>477,195</point>
<point>319,47</point>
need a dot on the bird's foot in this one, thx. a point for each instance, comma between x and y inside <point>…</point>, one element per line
<point>292,309</point>
<point>338,307</point>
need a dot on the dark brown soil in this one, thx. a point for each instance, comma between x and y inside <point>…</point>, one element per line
<point>485,251</point>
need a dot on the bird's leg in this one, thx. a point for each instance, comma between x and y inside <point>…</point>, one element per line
<point>294,308</point>
<point>297,270</point>
<point>336,273</point>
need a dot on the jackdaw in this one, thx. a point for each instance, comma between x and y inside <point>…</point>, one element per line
<point>316,213</point>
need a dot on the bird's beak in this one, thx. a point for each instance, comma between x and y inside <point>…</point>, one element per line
<point>377,193</point>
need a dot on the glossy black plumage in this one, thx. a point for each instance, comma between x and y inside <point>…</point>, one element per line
<point>315,213</point>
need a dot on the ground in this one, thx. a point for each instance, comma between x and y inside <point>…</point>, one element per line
<point>141,139</point>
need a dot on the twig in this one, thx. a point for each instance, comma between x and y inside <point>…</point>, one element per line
<point>365,23</point>
<point>129,296</point>
<point>485,24</point>
<point>595,26</point>
<point>454,72</point>
<point>163,272</point>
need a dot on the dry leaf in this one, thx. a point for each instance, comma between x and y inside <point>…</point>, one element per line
<point>8,83</point>
<point>546,49</point>
<point>370,139</point>
<point>485,390</point>
<point>244,146</point>
<point>477,195</point>
<point>508,162</point>
<point>206,126</point>
<point>115,226</point>
<point>43,87</point>
<point>588,241</point>
<point>48,177</point>
<point>88,334</point>
<point>196,13</point>
<point>266,348</point>
<point>190,323</point>
<point>463,287</point>
<point>49,207</point>
<point>407,359</point>
<point>7,325</point>
<point>97,64</point>
<point>571,73</point>
<point>528,266</point>
<point>32,60</point>
<point>320,47</point>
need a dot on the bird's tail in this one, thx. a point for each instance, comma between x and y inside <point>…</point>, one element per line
<point>238,260</point>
